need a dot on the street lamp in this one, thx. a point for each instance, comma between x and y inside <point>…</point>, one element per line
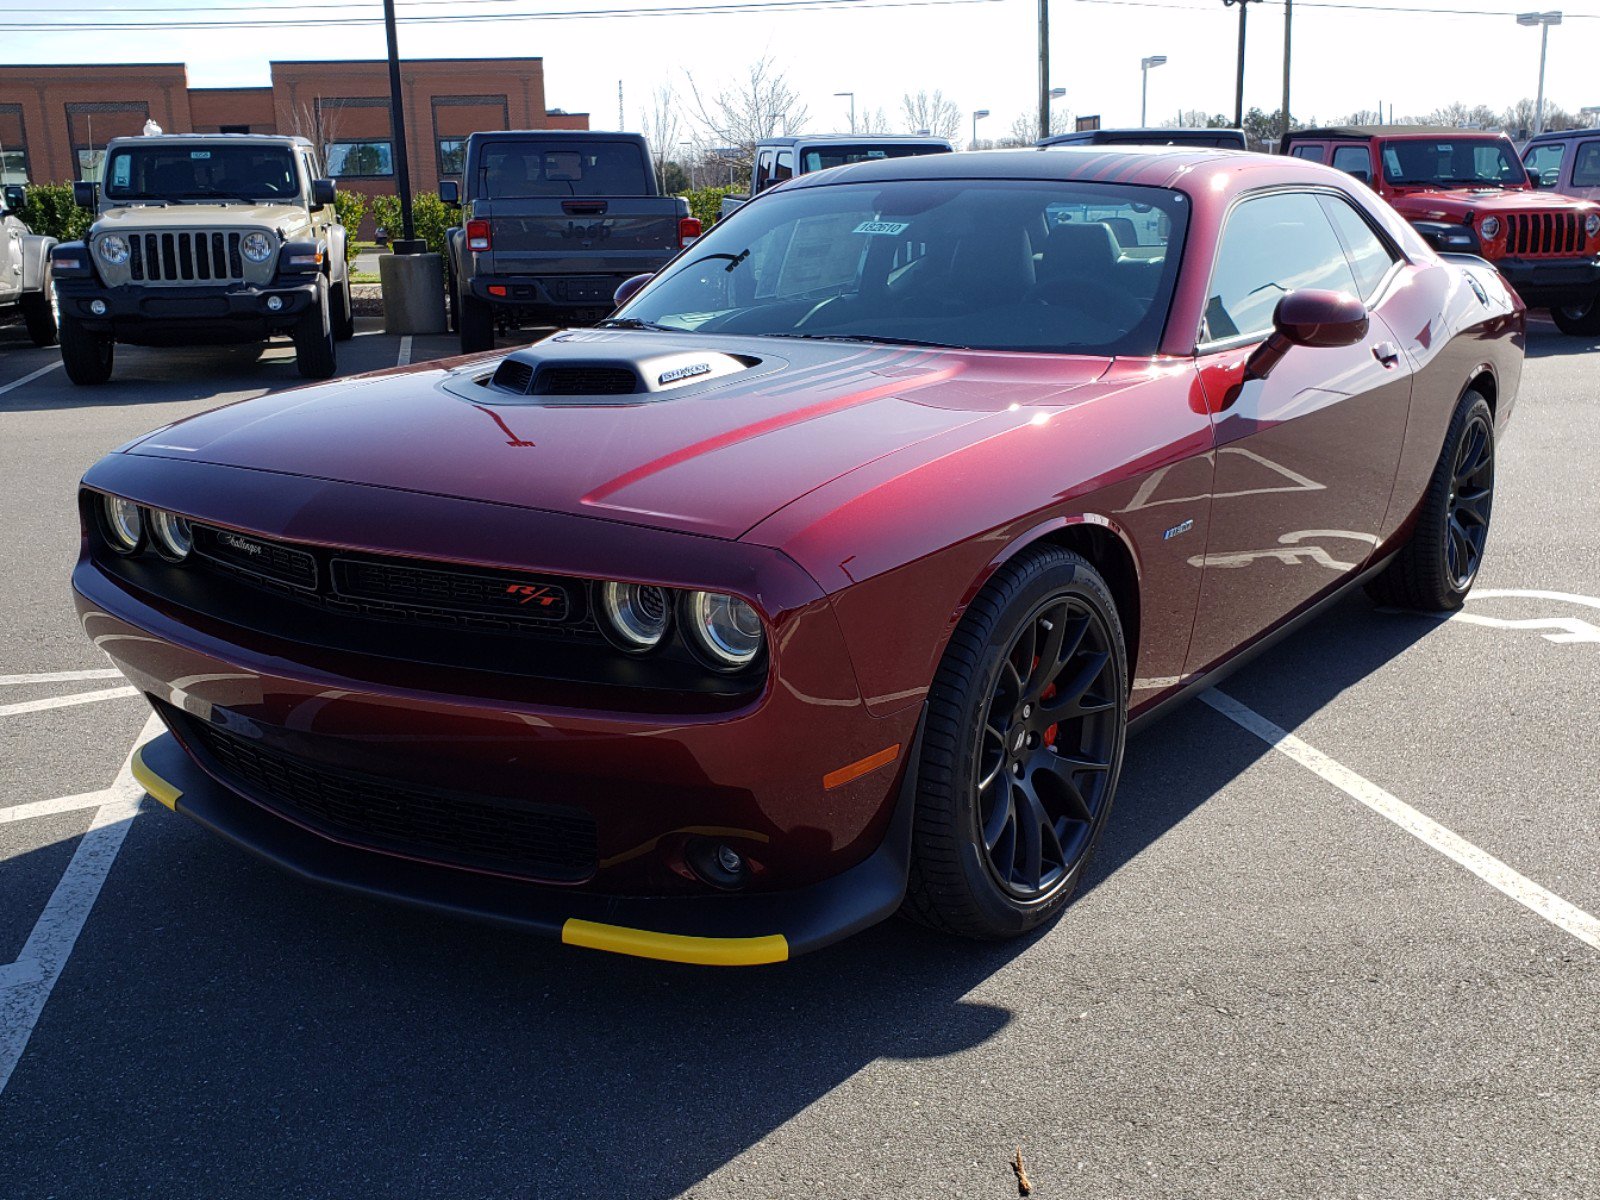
<point>1238,91</point>
<point>976,116</point>
<point>1050,126</point>
<point>852,96</point>
<point>1155,60</point>
<point>1591,111</point>
<point>1544,21</point>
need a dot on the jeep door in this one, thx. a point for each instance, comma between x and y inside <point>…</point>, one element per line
<point>1306,458</point>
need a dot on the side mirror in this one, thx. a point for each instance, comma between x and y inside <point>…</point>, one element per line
<point>323,192</point>
<point>450,192</point>
<point>1312,318</point>
<point>630,289</point>
<point>13,197</point>
<point>86,194</point>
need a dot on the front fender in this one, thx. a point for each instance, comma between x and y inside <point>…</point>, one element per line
<point>36,249</point>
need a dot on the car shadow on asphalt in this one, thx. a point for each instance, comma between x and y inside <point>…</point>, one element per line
<point>247,1033</point>
<point>1546,341</point>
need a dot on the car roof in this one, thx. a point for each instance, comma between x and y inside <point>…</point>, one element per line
<point>1565,135</point>
<point>1189,133</point>
<point>572,135</point>
<point>806,139</point>
<point>1388,131</point>
<point>261,139</point>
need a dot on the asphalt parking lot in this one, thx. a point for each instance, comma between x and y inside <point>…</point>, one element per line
<point>1284,977</point>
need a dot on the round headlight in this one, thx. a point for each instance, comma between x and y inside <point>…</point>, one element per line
<point>1592,225</point>
<point>171,534</point>
<point>113,249</point>
<point>257,247</point>
<point>124,524</point>
<point>1490,227</point>
<point>724,629</point>
<point>636,615</point>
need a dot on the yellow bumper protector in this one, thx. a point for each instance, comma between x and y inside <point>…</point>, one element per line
<point>674,947</point>
<point>152,783</point>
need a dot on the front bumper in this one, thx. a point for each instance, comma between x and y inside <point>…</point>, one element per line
<point>1552,283</point>
<point>187,315</point>
<point>718,930</point>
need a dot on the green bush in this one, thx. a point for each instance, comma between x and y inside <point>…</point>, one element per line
<point>350,207</point>
<point>429,215</point>
<point>706,202</point>
<point>50,210</point>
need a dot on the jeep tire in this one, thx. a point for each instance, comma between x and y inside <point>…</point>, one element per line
<point>86,354</point>
<point>344,318</point>
<point>475,320</point>
<point>1579,320</point>
<point>314,353</point>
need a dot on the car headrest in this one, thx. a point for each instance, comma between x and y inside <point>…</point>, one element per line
<point>1079,248</point>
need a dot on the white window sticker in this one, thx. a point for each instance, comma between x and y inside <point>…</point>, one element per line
<point>199,154</point>
<point>882,227</point>
<point>120,170</point>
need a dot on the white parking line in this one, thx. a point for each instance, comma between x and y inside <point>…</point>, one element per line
<point>16,383</point>
<point>26,984</point>
<point>404,359</point>
<point>1485,866</point>
<point>28,706</point>
<point>60,676</point>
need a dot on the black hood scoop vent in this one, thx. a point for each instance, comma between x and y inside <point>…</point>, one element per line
<point>558,373</point>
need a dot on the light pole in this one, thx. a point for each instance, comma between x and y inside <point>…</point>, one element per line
<point>1044,70</point>
<point>977,115</point>
<point>1155,60</point>
<point>852,96</point>
<point>689,146</point>
<point>1544,21</point>
<point>1238,91</point>
<point>1050,125</point>
<point>1288,44</point>
<point>407,242</point>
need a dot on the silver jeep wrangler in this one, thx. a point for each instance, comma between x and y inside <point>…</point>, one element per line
<point>202,239</point>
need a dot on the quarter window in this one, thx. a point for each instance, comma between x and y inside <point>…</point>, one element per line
<point>1353,160</point>
<point>1310,151</point>
<point>1272,245</point>
<point>1370,256</point>
<point>1586,168</point>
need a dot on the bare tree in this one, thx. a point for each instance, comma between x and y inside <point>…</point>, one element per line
<point>318,125</point>
<point>759,105</point>
<point>1195,118</point>
<point>933,112</point>
<point>873,121</point>
<point>1458,115</point>
<point>1518,120</point>
<point>662,129</point>
<point>1024,129</point>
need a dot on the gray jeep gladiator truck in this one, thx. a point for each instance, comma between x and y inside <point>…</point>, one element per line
<point>780,158</point>
<point>553,221</point>
<point>25,269</point>
<point>203,239</point>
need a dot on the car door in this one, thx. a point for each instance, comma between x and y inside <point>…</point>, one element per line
<point>1306,458</point>
<point>10,257</point>
<point>1583,180</point>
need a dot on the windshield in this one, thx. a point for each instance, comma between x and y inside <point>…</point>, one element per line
<point>985,264</point>
<point>201,172</point>
<point>1455,162</point>
<point>820,158</point>
<point>513,170</point>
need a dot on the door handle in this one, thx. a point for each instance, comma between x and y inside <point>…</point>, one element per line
<point>1387,353</point>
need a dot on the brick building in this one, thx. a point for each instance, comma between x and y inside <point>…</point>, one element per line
<point>55,120</point>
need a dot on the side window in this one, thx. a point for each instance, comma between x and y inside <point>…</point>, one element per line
<point>1354,160</point>
<point>785,168</point>
<point>1271,246</point>
<point>763,171</point>
<point>1586,167</point>
<point>1313,151</point>
<point>1544,163</point>
<point>1370,256</point>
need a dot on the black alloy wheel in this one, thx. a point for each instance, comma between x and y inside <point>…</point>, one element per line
<point>1050,743</point>
<point>1021,749</point>
<point>1470,502</point>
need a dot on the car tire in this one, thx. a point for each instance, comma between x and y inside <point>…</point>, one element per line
<point>1435,569</point>
<point>1578,320</point>
<point>1001,745</point>
<point>39,314</point>
<point>314,353</point>
<point>452,302</point>
<point>344,317</point>
<point>86,354</point>
<point>475,321</point>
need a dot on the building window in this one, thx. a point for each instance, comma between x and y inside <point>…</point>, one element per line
<point>360,160</point>
<point>91,125</point>
<point>233,129</point>
<point>13,145</point>
<point>452,156</point>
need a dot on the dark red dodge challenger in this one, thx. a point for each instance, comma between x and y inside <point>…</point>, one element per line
<point>826,579</point>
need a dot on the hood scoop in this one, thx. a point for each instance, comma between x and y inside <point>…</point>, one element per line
<point>558,374</point>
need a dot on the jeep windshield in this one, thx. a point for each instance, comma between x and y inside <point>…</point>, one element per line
<point>982,264</point>
<point>1452,162</point>
<point>201,172</point>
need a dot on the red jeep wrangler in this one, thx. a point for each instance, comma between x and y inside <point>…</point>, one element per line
<point>1466,192</point>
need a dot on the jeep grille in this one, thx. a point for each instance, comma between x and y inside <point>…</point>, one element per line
<point>1544,234</point>
<point>187,256</point>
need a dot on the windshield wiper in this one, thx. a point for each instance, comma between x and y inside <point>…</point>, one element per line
<point>635,323</point>
<point>869,339</point>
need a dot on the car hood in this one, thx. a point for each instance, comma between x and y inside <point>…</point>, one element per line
<point>714,456</point>
<point>209,216</point>
<point>1455,204</point>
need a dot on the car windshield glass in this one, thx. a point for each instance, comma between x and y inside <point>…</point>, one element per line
<point>985,264</point>
<point>1452,163</point>
<point>820,158</point>
<point>512,170</point>
<point>201,172</point>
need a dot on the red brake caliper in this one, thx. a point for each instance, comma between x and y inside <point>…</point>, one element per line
<point>1049,693</point>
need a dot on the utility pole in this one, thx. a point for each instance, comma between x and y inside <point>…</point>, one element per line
<point>1044,71</point>
<point>1288,41</point>
<point>1238,92</point>
<point>622,121</point>
<point>408,243</point>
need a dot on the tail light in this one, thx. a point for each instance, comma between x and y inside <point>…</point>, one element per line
<point>478,239</point>
<point>688,231</point>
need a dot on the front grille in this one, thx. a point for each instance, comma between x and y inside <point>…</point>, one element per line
<point>453,590</point>
<point>510,837</point>
<point>185,256</point>
<point>256,556</point>
<point>585,381</point>
<point>1544,235</point>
